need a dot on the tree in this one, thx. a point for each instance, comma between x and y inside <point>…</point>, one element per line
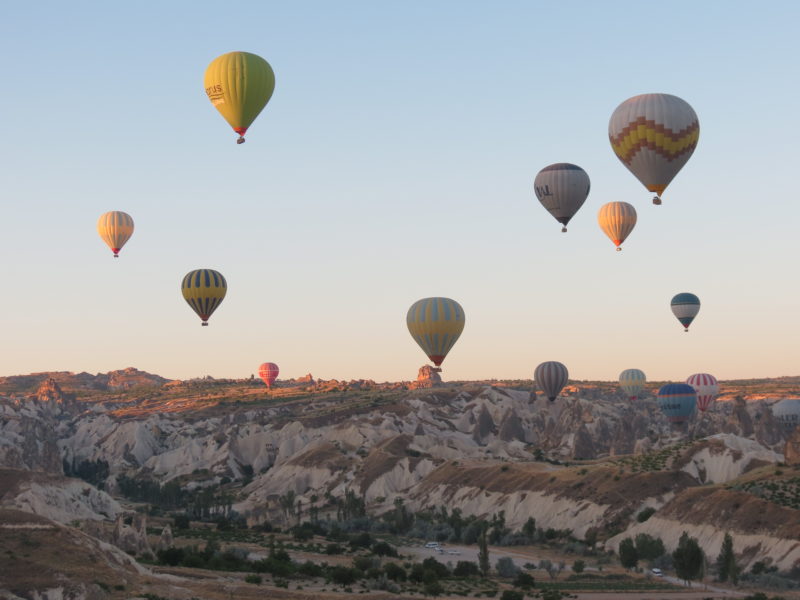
<point>506,568</point>
<point>726,562</point>
<point>483,552</point>
<point>524,580</point>
<point>578,566</point>
<point>529,528</point>
<point>648,547</point>
<point>627,553</point>
<point>466,568</point>
<point>688,558</point>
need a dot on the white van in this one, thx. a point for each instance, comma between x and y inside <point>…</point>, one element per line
<point>432,545</point>
<point>657,572</point>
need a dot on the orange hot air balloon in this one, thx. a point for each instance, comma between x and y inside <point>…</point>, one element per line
<point>269,373</point>
<point>617,220</point>
<point>115,228</point>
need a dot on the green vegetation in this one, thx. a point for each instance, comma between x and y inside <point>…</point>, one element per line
<point>726,562</point>
<point>785,492</point>
<point>688,558</point>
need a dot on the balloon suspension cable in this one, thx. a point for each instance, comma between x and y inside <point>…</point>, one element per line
<point>564,229</point>
<point>657,200</point>
<point>241,140</point>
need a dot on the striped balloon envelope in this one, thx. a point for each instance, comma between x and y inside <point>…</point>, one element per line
<point>632,382</point>
<point>239,85</point>
<point>617,220</point>
<point>654,135</point>
<point>269,373</point>
<point>685,307</point>
<point>435,324</point>
<point>677,401</point>
<point>706,387</point>
<point>551,376</point>
<point>115,228</point>
<point>562,188</point>
<point>203,290</point>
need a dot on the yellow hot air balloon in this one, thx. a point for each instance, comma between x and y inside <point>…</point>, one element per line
<point>617,219</point>
<point>239,85</point>
<point>204,290</point>
<point>435,324</point>
<point>116,228</point>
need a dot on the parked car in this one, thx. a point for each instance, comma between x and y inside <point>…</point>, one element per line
<point>657,572</point>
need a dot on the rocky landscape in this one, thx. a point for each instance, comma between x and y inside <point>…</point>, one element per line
<point>588,463</point>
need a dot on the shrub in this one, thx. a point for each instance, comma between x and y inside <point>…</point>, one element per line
<point>506,568</point>
<point>645,514</point>
<point>253,579</point>
<point>343,575</point>
<point>394,572</point>
<point>466,568</point>
<point>512,595</point>
<point>384,549</point>
<point>524,580</point>
<point>333,549</point>
<point>578,566</point>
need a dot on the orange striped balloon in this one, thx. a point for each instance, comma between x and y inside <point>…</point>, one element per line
<point>617,220</point>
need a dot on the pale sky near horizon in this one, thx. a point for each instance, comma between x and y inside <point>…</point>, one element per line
<point>395,161</point>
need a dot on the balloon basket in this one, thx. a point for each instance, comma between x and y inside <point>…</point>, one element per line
<point>241,140</point>
<point>656,200</point>
<point>563,230</point>
<point>619,249</point>
<point>204,324</point>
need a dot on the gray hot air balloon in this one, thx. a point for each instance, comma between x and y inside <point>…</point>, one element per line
<point>552,377</point>
<point>562,189</point>
<point>787,413</point>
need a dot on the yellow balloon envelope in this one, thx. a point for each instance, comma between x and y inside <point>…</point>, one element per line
<point>116,228</point>
<point>435,324</point>
<point>617,220</point>
<point>239,85</point>
<point>204,290</point>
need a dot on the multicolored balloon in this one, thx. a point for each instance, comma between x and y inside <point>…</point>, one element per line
<point>203,290</point>
<point>685,307</point>
<point>654,135</point>
<point>551,376</point>
<point>617,220</point>
<point>632,382</point>
<point>239,85</point>
<point>116,228</point>
<point>562,189</point>
<point>435,324</point>
<point>787,413</point>
<point>677,401</point>
<point>269,373</point>
<point>706,387</point>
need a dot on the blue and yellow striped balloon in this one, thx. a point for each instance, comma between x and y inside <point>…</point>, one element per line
<point>632,382</point>
<point>203,290</point>
<point>435,324</point>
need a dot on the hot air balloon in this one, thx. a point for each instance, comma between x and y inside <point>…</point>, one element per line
<point>706,388</point>
<point>239,85</point>
<point>552,377</point>
<point>562,189</point>
<point>787,413</point>
<point>204,290</point>
<point>269,373</point>
<point>632,382</point>
<point>617,220</point>
<point>435,324</point>
<point>685,307</point>
<point>116,228</point>
<point>677,401</point>
<point>654,135</point>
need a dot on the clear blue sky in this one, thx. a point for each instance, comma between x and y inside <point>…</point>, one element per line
<point>395,161</point>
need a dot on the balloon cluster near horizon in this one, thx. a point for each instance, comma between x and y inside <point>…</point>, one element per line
<point>654,135</point>
<point>435,324</point>
<point>203,290</point>
<point>269,373</point>
<point>706,387</point>
<point>632,382</point>
<point>617,220</point>
<point>677,401</point>
<point>551,376</point>
<point>685,307</point>
<point>115,228</point>
<point>239,85</point>
<point>562,188</point>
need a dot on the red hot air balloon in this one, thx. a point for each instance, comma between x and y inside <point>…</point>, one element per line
<point>269,373</point>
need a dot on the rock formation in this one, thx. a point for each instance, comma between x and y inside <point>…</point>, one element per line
<point>792,451</point>
<point>428,377</point>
